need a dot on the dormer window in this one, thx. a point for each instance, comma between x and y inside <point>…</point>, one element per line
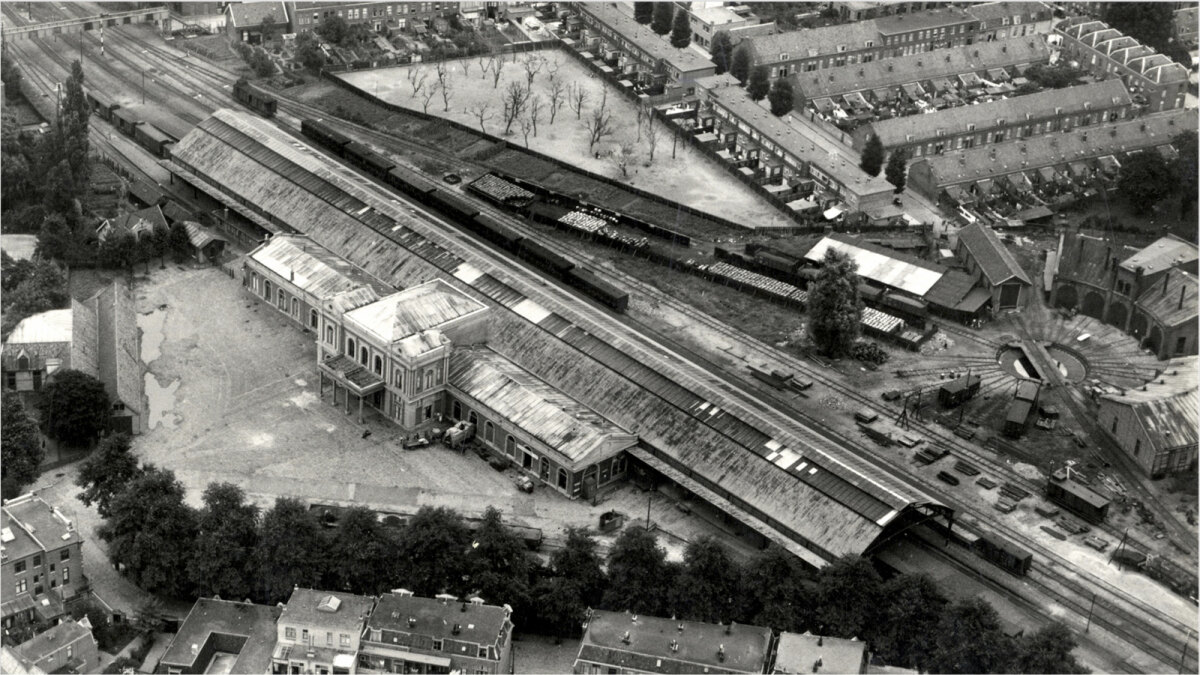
<point>841,48</point>
<point>783,56</point>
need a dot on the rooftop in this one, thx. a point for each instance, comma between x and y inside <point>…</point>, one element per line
<point>992,256</point>
<point>986,11</point>
<point>313,269</point>
<point>932,18</point>
<point>118,347</point>
<point>812,42</point>
<point>51,326</point>
<point>30,526</point>
<point>414,312</point>
<point>327,610</point>
<point>1169,408</point>
<point>648,647</point>
<point>434,618</point>
<point>1168,251</point>
<point>619,17</point>
<point>250,14</point>
<point>991,161</point>
<point>716,16</point>
<point>42,646</point>
<point>889,269</point>
<point>921,67</point>
<point>147,219</point>
<point>810,653</point>
<point>19,246</point>
<point>792,137</point>
<point>1172,301</point>
<point>245,630</point>
<point>1093,33</point>
<point>1052,103</point>
<point>559,421</point>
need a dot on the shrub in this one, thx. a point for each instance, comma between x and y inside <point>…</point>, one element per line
<point>869,352</point>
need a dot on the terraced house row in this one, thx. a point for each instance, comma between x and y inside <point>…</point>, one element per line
<point>1155,80</point>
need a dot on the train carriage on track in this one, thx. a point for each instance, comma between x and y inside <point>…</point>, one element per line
<point>263,104</point>
<point>1004,554</point>
<point>1079,499</point>
<point>101,104</point>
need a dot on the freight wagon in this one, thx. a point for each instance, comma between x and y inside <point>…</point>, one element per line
<point>326,136</point>
<point>263,104</point>
<point>101,104</point>
<point>367,159</point>
<point>598,288</point>
<point>1079,499</point>
<point>957,392</point>
<point>153,139</point>
<point>1004,554</point>
<point>125,120</point>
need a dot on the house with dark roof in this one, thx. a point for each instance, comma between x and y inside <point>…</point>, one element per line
<point>620,642</point>
<point>1155,80</point>
<point>1020,117</point>
<point>407,634</point>
<point>42,561</point>
<point>1150,293</point>
<point>222,636</point>
<point>68,647</point>
<point>137,224</point>
<point>205,245</point>
<point>1157,425</point>
<point>982,253</point>
<point>319,632</point>
<point>246,20</point>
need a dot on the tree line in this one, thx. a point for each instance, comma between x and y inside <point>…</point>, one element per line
<point>231,548</point>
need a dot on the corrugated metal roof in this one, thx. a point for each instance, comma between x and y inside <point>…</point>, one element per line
<point>559,421</point>
<point>878,267</point>
<point>1172,301</point>
<point>313,268</point>
<point>413,311</point>
<point>993,257</point>
<point>1169,408</point>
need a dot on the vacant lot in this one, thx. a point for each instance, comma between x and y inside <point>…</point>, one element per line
<point>690,178</point>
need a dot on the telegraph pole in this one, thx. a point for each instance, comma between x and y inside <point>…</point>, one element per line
<point>1089,621</point>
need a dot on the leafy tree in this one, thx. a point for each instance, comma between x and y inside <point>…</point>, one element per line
<point>41,286</point>
<point>637,568</point>
<point>578,561</point>
<point>365,552</point>
<point>291,551</point>
<point>848,597</point>
<point>872,156</point>
<point>664,15</point>
<point>431,551</point>
<point>267,28</point>
<point>1053,77</point>
<point>709,587</point>
<point>740,64</point>
<point>228,535</point>
<point>835,307</point>
<point>333,29</point>
<point>643,12</point>
<point>759,85</point>
<point>20,446</point>
<point>178,243</point>
<point>910,609</point>
<point>106,472</point>
<point>782,591</point>
<point>896,170</point>
<point>149,532</point>
<point>497,562</point>
<point>308,51</point>
<point>969,640</point>
<point>1145,180</point>
<point>1049,651</point>
<point>1186,169</point>
<point>681,30</point>
<point>261,62</point>
<point>781,97</point>
<point>721,49</point>
<point>558,604</point>
<point>56,239</point>
<point>75,407</point>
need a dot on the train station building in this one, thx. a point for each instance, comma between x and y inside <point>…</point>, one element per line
<point>814,497</point>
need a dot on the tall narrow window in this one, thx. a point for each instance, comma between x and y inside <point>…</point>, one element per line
<point>378,365</point>
<point>489,433</point>
<point>350,347</point>
<point>362,355</point>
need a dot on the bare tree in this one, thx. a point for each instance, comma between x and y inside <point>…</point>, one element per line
<point>482,112</point>
<point>622,156</point>
<point>576,97</point>
<point>553,66</point>
<point>416,79</point>
<point>485,66</point>
<point>497,67</point>
<point>674,139</point>
<point>535,107</point>
<point>443,77</point>
<point>533,65</point>
<point>653,133</point>
<point>466,64</point>
<point>515,99</point>
<point>526,125</point>
<point>557,93</point>
<point>599,124</point>
<point>641,119</point>
<point>430,92</point>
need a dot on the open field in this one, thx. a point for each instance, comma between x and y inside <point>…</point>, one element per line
<point>690,179</point>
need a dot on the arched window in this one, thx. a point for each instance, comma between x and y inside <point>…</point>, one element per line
<point>562,479</point>
<point>510,446</point>
<point>350,347</point>
<point>378,365</point>
<point>282,299</point>
<point>489,432</point>
<point>312,318</point>
<point>296,308</point>
<point>22,362</point>
<point>398,377</point>
<point>329,334</point>
<point>457,410</point>
<point>362,355</point>
<point>267,290</point>
<point>473,418</point>
<point>428,378</point>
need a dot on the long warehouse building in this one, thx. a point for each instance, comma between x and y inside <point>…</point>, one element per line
<point>817,500</point>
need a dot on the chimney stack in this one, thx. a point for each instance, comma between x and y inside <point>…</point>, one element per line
<point>721,653</point>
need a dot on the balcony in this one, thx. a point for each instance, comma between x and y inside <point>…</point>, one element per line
<point>352,375</point>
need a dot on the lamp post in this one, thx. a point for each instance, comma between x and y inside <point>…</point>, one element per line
<point>649,500</point>
<point>143,87</point>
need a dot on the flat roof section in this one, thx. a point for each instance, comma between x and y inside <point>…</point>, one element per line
<point>880,268</point>
<point>652,644</point>
<point>414,311</point>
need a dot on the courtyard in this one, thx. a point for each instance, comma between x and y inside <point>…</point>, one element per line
<point>689,178</point>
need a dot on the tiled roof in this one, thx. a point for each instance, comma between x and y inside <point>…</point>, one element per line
<point>1169,409</point>
<point>992,256</point>
<point>812,42</point>
<point>414,311</point>
<point>986,11</point>
<point>648,647</point>
<point>922,67</point>
<point>1092,33</point>
<point>1095,96</point>
<point>1173,300</point>
<point>308,608</point>
<point>933,18</point>
<point>142,221</point>
<point>85,339</point>
<point>950,290</point>
<point>1168,251</point>
<point>198,236</point>
<point>35,526</point>
<point>212,619</point>
<point>250,14</point>
<point>1059,149</point>
<point>621,21</point>
<point>434,618</point>
<point>800,654</point>
<point>312,268</point>
<point>559,421</point>
<point>120,363</point>
<point>41,648</point>
<point>1086,258</point>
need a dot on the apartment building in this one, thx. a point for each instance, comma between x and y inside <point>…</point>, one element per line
<point>407,634</point>
<point>376,15</point>
<point>1153,79</point>
<point>619,642</point>
<point>319,632</point>
<point>41,561</point>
